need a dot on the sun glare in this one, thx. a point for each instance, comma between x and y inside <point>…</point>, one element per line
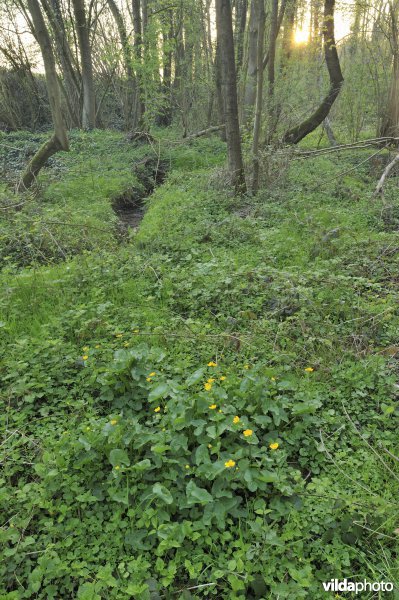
<point>301,36</point>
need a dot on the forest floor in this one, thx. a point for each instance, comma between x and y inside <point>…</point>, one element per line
<point>205,406</point>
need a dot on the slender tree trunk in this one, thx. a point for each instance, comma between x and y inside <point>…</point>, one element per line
<point>128,59</point>
<point>89,100</point>
<point>138,50</point>
<point>59,140</point>
<point>390,120</point>
<point>288,34</point>
<point>241,21</point>
<point>225,37</point>
<point>250,83</point>
<point>296,134</point>
<point>71,78</point>
<point>259,96</point>
<point>280,18</point>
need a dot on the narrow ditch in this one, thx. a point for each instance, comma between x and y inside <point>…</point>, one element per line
<point>130,205</point>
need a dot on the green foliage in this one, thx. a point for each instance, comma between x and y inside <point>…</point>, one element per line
<point>122,478</point>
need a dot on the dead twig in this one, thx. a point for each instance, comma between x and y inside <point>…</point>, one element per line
<point>387,170</point>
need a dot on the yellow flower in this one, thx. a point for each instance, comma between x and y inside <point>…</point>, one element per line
<point>222,378</point>
<point>236,420</point>
<point>208,386</point>
<point>85,348</point>
<point>187,466</point>
<point>246,366</point>
<point>211,380</point>
<point>148,379</point>
<point>212,364</point>
<point>152,374</point>
<point>113,422</point>
<point>220,411</point>
<point>248,432</point>
<point>230,463</point>
<point>157,409</point>
<point>309,369</point>
<point>85,357</point>
<point>273,446</point>
<point>117,467</point>
<point>212,406</point>
<point>209,445</point>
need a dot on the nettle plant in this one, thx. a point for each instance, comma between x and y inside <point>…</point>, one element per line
<point>197,448</point>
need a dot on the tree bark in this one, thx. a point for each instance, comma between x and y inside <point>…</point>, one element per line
<point>296,134</point>
<point>89,100</point>
<point>272,47</point>
<point>259,95</point>
<point>224,28</point>
<point>71,78</point>
<point>241,21</point>
<point>250,83</point>
<point>59,140</point>
<point>390,120</point>
<point>138,50</point>
<point>128,60</point>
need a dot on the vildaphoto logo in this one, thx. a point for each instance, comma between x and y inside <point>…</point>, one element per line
<point>344,585</point>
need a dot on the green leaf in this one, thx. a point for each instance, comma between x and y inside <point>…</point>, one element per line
<point>197,495</point>
<point>163,493</point>
<point>195,377</point>
<point>143,465</point>
<point>159,392</point>
<point>120,496</point>
<point>87,592</point>
<point>118,457</point>
<point>267,476</point>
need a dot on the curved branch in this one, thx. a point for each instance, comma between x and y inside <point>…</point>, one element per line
<point>296,134</point>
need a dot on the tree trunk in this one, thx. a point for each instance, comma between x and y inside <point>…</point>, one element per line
<point>259,96</point>
<point>128,59</point>
<point>296,134</point>
<point>89,100</point>
<point>224,28</point>
<point>250,83</point>
<point>71,79</point>
<point>59,140</point>
<point>138,50</point>
<point>241,21</point>
<point>390,121</point>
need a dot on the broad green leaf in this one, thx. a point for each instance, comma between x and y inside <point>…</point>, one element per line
<point>163,493</point>
<point>118,457</point>
<point>158,392</point>
<point>195,377</point>
<point>197,495</point>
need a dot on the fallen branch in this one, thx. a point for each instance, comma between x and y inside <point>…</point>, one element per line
<point>387,170</point>
<point>352,146</point>
<point>204,132</point>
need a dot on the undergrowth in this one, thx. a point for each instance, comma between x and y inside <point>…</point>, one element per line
<point>209,410</point>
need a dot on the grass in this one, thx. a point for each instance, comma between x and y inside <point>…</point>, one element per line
<point>301,277</point>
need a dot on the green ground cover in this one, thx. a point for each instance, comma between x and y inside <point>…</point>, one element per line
<point>210,401</point>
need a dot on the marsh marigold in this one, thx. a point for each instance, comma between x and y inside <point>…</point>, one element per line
<point>230,463</point>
